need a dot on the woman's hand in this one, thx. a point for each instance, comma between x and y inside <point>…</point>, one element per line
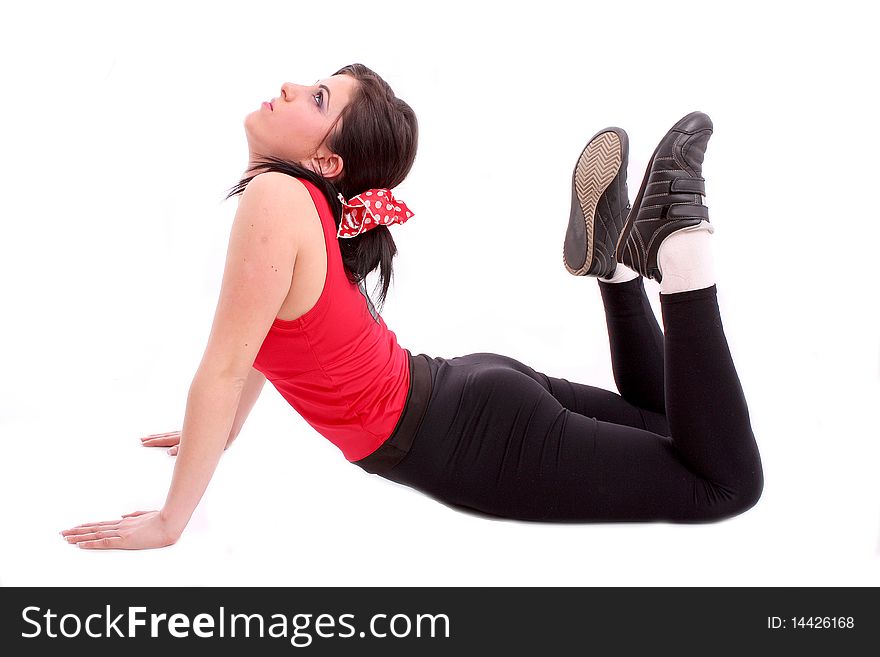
<point>170,440</point>
<point>140,530</point>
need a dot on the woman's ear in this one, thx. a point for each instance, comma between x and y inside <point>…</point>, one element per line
<point>330,166</point>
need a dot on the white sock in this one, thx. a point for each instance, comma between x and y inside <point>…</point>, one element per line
<point>685,260</point>
<point>621,274</point>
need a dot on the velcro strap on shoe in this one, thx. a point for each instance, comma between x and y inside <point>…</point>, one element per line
<point>689,185</point>
<point>687,211</point>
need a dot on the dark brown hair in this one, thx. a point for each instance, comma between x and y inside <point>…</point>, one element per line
<point>377,136</point>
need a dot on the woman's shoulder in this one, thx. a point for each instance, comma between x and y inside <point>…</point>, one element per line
<point>278,195</point>
<point>276,182</point>
<point>289,187</point>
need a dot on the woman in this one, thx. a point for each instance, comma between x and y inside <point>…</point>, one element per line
<point>483,431</point>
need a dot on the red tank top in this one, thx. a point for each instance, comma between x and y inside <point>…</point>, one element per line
<point>342,370</point>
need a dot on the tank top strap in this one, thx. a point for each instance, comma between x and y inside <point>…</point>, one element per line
<point>334,256</point>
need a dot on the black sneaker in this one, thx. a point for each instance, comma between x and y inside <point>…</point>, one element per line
<point>669,199</point>
<point>599,205</point>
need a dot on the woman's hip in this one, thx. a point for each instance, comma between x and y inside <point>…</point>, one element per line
<point>450,396</point>
<point>488,424</point>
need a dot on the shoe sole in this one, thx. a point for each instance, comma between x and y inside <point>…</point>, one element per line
<point>637,204</point>
<point>597,166</point>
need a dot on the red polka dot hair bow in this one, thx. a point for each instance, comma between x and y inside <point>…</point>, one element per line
<point>375,207</point>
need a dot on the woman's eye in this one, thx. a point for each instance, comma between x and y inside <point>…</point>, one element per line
<point>319,96</point>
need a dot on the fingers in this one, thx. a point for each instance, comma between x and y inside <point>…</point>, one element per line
<point>173,451</point>
<point>93,527</point>
<point>109,543</point>
<point>161,440</point>
<point>160,435</point>
<point>92,536</point>
<point>87,525</point>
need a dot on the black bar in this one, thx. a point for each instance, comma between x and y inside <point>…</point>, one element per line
<point>516,620</point>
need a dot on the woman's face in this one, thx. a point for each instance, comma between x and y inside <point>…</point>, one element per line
<point>299,120</point>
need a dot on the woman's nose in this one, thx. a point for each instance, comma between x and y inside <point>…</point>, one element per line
<point>288,90</point>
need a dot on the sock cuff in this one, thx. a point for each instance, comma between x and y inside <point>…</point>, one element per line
<point>633,286</point>
<point>621,274</point>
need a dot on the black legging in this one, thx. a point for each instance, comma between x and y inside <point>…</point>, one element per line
<point>676,445</point>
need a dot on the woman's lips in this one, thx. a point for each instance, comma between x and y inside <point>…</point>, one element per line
<point>269,105</point>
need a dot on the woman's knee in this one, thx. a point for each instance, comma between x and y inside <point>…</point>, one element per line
<point>726,501</point>
<point>753,488</point>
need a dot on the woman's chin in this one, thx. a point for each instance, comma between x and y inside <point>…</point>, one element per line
<point>252,118</point>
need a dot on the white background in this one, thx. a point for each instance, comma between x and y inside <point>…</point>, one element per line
<point>122,131</point>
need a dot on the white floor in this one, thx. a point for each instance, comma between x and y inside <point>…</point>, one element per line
<point>111,262</point>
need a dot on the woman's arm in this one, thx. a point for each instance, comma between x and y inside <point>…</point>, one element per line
<point>249,395</point>
<point>210,412</point>
<point>259,267</point>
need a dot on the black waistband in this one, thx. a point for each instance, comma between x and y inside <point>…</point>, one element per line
<point>392,451</point>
